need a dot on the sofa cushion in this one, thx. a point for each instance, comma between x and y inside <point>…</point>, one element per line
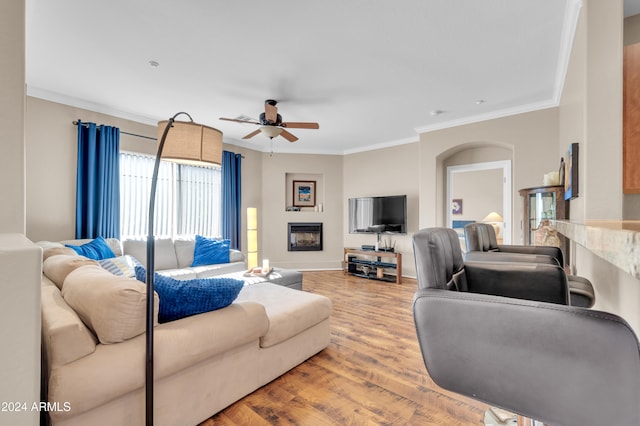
<point>184,252</point>
<point>290,311</point>
<point>179,274</point>
<point>113,307</point>
<point>56,268</point>
<point>210,251</point>
<point>121,265</point>
<point>96,249</point>
<point>64,336</point>
<point>183,298</point>
<point>207,271</point>
<point>165,254</point>
<point>54,251</point>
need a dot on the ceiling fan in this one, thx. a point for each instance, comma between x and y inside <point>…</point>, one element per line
<point>271,123</point>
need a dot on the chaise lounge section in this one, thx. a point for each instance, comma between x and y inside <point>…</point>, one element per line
<point>203,362</point>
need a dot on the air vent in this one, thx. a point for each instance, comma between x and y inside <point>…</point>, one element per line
<point>245,118</point>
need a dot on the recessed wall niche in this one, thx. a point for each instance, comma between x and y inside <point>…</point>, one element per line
<point>304,192</point>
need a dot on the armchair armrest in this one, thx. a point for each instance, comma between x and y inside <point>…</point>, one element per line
<point>558,364</point>
<point>552,251</point>
<point>503,256</point>
<point>529,281</point>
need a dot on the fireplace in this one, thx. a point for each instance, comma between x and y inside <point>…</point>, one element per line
<point>305,236</point>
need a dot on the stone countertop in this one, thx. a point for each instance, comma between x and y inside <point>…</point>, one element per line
<point>616,241</point>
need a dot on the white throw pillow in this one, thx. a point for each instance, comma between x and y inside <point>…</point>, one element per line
<point>184,252</point>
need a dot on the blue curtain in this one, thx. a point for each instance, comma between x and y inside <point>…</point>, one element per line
<point>98,181</point>
<point>231,197</point>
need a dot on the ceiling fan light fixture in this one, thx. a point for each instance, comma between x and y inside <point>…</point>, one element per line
<point>271,124</point>
<point>271,131</point>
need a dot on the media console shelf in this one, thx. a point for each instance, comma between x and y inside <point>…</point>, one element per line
<point>373,264</point>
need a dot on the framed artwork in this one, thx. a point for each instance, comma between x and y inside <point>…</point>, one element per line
<point>571,172</point>
<point>456,206</point>
<point>304,193</point>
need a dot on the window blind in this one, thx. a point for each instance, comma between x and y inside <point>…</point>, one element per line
<point>188,198</point>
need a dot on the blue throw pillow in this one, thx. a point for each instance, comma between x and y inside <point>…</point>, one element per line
<point>210,251</point>
<point>183,298</point>
<point>97,249</point>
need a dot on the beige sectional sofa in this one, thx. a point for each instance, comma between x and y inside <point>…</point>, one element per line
<point>94,346</point>
<point>172,257</point>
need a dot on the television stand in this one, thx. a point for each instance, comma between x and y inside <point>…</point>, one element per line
<point>372,264</point>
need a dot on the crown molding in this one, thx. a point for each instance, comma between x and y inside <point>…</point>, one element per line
<point>48,95</point>
<point>382,145</point>
<point>571,18</point>
<point>521,109</point>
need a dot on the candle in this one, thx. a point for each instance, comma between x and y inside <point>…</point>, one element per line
<point>265,266</point>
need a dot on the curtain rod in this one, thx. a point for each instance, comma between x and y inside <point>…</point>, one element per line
<point>75,123</point>
<point>124,133</point>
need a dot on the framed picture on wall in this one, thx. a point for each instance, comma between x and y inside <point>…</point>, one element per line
<point>456,206</point>
<point>571,172</point>
<point>304,193</point>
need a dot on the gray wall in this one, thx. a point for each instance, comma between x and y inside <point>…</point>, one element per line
<point>387,171</point>
<point>523,137</point>
<point>12,106</point>
<point>591,114</point>
<point>19,258</point>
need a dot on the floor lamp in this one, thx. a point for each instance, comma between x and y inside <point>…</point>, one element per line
<point>252,237</point>
<point>182,142</point>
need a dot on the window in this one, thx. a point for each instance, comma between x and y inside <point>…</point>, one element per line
<point>188,198</point>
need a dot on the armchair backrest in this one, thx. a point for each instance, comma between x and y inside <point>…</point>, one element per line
<point>480,237</point>
<point>439,262</point>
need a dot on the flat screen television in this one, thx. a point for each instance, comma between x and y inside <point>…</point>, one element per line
<point>377,215</point>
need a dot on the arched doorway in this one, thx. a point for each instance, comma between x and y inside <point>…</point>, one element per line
<point>476,192</point>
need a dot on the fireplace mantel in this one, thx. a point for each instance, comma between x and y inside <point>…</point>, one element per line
<point>616,241</point>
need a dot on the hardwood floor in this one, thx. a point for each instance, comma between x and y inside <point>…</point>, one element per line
<point>372,373</point>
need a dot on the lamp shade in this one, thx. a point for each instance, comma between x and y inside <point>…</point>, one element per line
<point>493,217</point>
<point>191,143</point>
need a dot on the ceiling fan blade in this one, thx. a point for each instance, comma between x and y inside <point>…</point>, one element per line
<point>271,112</point>
<point>300,125</point>
<point>239,121</point>
<point>288,136</point>
<point>252,134</point>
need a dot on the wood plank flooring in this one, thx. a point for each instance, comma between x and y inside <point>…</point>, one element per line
<point>372,373</point>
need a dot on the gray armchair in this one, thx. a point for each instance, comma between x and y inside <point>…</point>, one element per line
<point>560,364</point>
<point>482,244</point>
<point>482,237</point>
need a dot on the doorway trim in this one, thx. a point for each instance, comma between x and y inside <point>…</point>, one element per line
<point>507,207</point>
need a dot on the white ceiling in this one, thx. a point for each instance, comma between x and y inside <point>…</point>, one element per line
<point>371,72</point>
